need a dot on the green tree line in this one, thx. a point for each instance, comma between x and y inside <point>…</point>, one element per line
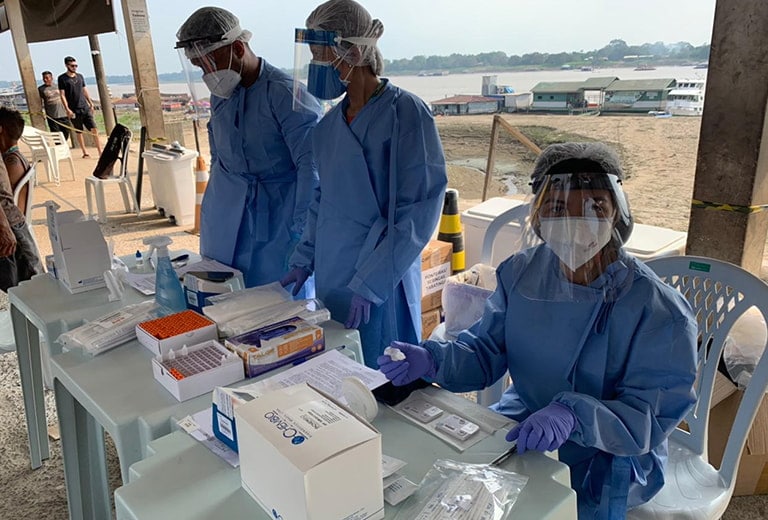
<point>617,52</point>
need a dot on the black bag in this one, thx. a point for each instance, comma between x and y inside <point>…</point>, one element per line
<point>114,150</point>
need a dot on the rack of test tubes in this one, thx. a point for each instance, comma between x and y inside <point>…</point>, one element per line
<point>194,370</point>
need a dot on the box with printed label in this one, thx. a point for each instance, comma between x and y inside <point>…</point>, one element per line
<point>429,321</point>
<point>435,270</point>
<point>174,331</point>
<point>304,456</point>
<point>269,347</point>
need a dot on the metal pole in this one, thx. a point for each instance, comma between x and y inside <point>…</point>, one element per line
<point>140,175</point>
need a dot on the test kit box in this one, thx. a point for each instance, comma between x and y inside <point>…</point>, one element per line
<point>275,345</point>
<point>197,369</point>
<point>172,332</point>
<point>304,456</point>
<point>197,289</point>
<point>80,253</point>
<point>435,270</point>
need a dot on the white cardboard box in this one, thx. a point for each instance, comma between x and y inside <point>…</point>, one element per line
<point>203,329</point>
<point>197,370</point>
<point>303,456</point>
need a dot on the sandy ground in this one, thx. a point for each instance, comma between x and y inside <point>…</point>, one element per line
<point>659,155</point>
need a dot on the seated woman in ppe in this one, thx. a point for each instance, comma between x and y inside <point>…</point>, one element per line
<point>601,353</point>
<point>382,183</point>
<point>262,172</point>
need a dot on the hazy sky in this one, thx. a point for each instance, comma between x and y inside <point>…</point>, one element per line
<point>411,27</point>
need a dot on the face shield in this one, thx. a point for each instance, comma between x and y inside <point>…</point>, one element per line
<point>583,219</point>
<point>314,68</point>
<point>207,63</point>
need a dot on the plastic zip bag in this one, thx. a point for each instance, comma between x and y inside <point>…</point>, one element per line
<point>228,306</point>
<point>460,491</point>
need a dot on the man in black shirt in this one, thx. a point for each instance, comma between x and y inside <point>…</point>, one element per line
<point>78,103</point>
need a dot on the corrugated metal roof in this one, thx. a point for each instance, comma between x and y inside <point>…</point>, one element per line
<point>599,82</point>
<point>463,100</point>
<point>641,84</point>
<point>558,87</point>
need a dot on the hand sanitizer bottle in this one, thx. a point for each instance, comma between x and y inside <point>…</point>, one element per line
<point>168,290</point>
<point>139,262</point>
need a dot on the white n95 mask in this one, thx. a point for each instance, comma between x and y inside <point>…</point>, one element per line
<point>575,240</point>
<point>222,83</point>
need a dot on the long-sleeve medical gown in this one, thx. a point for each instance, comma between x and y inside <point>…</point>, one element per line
<point>620,353</point>
<point>382,182</point>
<point>262,177</point>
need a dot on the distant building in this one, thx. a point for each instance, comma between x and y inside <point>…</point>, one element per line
<point>637,95</point>
<point>462,105</point>
<point>558,96</point>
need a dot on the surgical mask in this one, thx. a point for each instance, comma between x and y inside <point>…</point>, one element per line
<point>222,83</point>
<point>324,80</point>
<point>575,240</point>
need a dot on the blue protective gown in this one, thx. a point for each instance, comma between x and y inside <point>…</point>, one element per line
<point>621,354</point>
<point>262,177</point>
<point>355,240</point>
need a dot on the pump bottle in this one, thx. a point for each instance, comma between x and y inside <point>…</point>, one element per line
<point>168,290</point>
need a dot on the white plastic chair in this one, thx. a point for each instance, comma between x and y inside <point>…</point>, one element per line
<point>719,294</point>
<point>48,148</point>
<point>123,179</point>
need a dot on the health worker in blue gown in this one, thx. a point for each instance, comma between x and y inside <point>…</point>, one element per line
<point>262,172</point>
<point>382,182</point>
<point>601,353</point>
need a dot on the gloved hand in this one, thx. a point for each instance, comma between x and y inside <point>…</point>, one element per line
<point>418,363</point>
<point>296,276</point>
<point>359,310</point>
<point>545,430</point>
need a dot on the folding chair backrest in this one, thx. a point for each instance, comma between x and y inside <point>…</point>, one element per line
<point>516,215</point>
<point>719,293</point>
<point>27,180</point>
<point>115,149</point>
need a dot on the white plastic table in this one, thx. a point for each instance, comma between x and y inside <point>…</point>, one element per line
<point>183,479</point>
<point>117,392</point>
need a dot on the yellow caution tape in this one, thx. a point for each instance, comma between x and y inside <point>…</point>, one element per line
<point>720,206</point>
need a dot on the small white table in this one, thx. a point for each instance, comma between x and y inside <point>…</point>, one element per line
<point>183,479</point>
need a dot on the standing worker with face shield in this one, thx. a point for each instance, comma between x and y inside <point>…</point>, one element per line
<point>382,179</point>
<point>602,354</point>
<point>262,172</point>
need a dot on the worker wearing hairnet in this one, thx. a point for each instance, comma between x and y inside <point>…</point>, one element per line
<point>262,172</point>
<point>382,181</point>
<point>601,353</point>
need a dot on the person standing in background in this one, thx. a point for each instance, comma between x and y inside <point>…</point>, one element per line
<point>78,103</point>
<point>53,105</point>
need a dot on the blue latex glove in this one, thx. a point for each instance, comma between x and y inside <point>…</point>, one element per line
<point>545,430</point>
<point>418,363</point>
<point>359,311</point>
<point>296,276</point>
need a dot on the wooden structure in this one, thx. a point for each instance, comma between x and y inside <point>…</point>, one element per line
<point>637,95</point>
<point>499,122</point>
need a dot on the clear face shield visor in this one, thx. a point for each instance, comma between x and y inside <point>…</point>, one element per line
<point>316,55</point>
<point>583,219</point>
<point>202,61</point>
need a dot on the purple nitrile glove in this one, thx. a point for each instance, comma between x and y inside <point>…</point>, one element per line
<point>545,430</point>
<point>359,311</point>
<point>418,363</point>
<point>296,276</point>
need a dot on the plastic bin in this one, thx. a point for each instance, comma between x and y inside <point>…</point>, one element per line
<point>646,242</point>
<point>172,176</point>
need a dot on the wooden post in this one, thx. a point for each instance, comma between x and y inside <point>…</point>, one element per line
<point>105,101</point>
<point>499,121</point>
<point>732,162</point>
<point>143,66</point>
<point>27,71</point>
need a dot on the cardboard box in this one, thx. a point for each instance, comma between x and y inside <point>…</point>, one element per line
<point>80,252</point>
<point>197,290</point>
<point>435,270</point>
<point>197,370</point>
<point>304,456</point>
<point>430,320</point>
<point>275,345</point>
<point>752,477</point>
<point>172,332</point>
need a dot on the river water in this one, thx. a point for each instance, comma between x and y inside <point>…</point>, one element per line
<point>434,88</point>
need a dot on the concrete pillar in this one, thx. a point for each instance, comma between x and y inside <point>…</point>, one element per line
<point>732,163</point>
<point>27,71</point>
<point>143,66</point>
